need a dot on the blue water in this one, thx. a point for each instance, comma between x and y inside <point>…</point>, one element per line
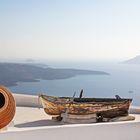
<point>124,80</point>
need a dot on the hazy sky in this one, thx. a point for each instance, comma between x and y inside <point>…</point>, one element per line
<point>70,29</point>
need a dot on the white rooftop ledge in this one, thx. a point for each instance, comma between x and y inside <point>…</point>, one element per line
<point>100,131</point>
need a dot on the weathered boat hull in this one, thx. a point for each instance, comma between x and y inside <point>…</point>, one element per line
<point>107,108</point>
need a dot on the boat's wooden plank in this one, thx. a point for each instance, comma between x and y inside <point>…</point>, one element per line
<point>72,116</point>
<point>66,119</point>
<point>69,120</point>
<point>122,118</point>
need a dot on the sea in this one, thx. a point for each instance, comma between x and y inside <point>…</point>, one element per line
<point>124,80</point>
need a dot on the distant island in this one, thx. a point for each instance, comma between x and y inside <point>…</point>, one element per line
<point>11,73</point>
<point>135,60</point>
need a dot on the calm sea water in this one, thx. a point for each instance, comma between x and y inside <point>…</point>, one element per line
<point>124,80</point>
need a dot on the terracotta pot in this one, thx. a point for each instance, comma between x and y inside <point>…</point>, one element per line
<point>7,106</point>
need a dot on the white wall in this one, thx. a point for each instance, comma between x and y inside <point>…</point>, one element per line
<point>109,131</point>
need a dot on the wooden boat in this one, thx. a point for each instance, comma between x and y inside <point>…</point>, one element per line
<point>103,107</point>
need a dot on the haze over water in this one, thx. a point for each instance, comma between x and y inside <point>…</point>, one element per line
<point>123,80</point>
